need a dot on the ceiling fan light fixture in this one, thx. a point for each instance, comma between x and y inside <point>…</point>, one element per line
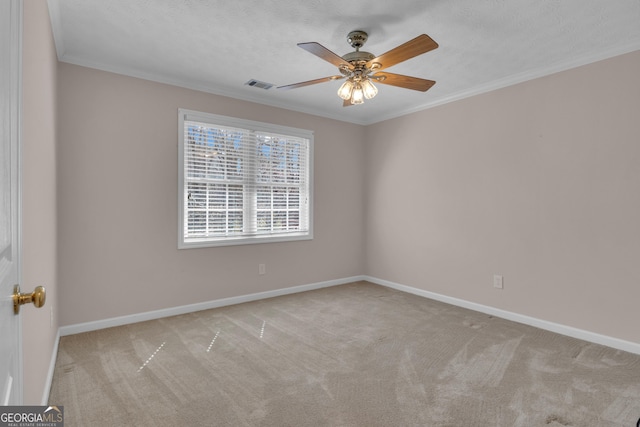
<point>357,97</point>
<point>369,89</point>
<point>346,90</point>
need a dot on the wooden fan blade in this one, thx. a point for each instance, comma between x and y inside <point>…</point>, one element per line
<point>421,44</point>
<point>310,82</point>
<point>406,82</point>
<point>322,52</point>
<point>347,103</point>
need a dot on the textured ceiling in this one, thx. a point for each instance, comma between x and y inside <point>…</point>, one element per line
<point>218,45</point>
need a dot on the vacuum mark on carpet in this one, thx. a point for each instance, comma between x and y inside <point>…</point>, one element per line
<point>264,322</point>
<point>212,341</point>
<point>146,362</point>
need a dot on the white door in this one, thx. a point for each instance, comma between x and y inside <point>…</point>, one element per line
<point>10,333</point>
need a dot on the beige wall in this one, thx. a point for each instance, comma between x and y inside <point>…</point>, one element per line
<point>539,182</point>
<point>118,202</point>
<point>39,262</point>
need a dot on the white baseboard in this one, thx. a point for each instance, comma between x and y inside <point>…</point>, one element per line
<point>174,311</point>
<point>52,367</point>
<point>570,331</point>
<point>593,337</point>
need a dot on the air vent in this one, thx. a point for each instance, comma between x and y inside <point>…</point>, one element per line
<point>259,84</point>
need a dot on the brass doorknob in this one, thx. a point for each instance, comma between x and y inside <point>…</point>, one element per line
<point>37,297</point>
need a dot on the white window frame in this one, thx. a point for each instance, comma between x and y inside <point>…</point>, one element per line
<point>184,242</point>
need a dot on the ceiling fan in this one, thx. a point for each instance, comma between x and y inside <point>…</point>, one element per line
<point>361,68</point>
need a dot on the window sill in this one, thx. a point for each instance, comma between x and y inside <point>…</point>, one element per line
<point>243,240</point>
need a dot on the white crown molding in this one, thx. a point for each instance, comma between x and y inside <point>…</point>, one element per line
<point>158,78</point>
<point>476,90</point>
<point>517,79</point>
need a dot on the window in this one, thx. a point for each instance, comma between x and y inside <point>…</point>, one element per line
<point>242,181</point>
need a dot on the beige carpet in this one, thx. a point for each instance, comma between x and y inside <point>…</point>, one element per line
<point>350,355</point>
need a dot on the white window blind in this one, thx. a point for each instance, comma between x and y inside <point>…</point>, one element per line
<point>242,181</point>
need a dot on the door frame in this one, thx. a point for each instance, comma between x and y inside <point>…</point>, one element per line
<point>14,55</point>
<point>17,17</point>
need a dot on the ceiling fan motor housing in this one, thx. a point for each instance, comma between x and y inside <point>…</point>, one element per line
<point>357,56</point>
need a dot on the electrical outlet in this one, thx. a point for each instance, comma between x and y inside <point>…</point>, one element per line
<point>498,281</point>
<point>262,269</point>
